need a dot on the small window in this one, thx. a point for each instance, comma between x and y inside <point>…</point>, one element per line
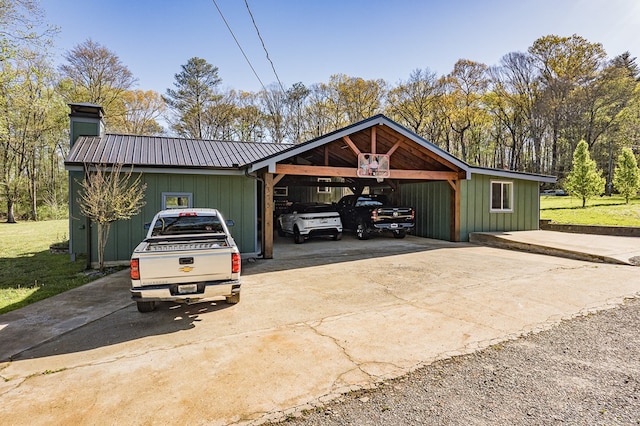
<point>324,189</point>
<point>501,196</point>
<point>176,200</point>
<point>281,191</point>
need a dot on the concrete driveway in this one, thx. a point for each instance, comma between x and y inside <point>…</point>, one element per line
<point>313,323</point>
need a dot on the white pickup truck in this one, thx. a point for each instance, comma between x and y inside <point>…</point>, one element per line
<point>187,255</point>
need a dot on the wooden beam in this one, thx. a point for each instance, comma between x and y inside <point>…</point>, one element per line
<point>455,209</point>
<point>353,146</point>
<point>326,155</point>
<point>277,179</point>
<point>374,140</point>
<point>394,147</point>
<point>267,218</point>
<point>422,174</point>
<point>294,169</point>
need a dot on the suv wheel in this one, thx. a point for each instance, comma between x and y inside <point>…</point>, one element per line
<point>297,238</point>
<point>337,236</point>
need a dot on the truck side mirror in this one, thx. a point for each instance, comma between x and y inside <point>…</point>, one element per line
<point>230,222</point>
<point>147,226</point>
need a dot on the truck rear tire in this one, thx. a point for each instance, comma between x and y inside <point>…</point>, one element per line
<point>362,232</point>
<point>233,299</point>
<point>400,233</point>
<point>146,306</point>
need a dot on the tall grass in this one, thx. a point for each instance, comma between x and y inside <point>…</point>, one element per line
<point>28,271</point>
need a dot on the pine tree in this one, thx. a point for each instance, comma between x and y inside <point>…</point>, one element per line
<point>626,177</point>
<point>584,180</point>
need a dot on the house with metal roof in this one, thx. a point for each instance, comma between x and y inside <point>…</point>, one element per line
<point>252,182</point>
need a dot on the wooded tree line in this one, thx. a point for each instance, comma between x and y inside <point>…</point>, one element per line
<point>526,113</point>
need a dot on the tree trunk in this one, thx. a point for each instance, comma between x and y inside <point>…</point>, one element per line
<point>103,236</point>
<point>11,218</point>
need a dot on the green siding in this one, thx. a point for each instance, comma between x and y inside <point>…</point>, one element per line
<point>83,128</point>
<point>432,202</point>
<point>475,214</point>
<point>234,196</point>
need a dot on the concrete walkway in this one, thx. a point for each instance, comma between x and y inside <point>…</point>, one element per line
<point>318,320</point>
<point>589,247</point>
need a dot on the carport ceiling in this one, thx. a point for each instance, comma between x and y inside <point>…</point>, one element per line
<point>406,155</point>
<point>409,161</point>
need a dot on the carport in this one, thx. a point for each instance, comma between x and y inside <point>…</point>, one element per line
<point>376,152</point>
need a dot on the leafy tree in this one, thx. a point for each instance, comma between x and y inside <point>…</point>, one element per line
<point>412,102</point>
<point>296,97</point>
<point>465,85</point>
<point>31,125</point>
<point>584,180</point>
<point>194,94</point>
<point>22,26</point>
<point>142,111</point>
<point>95,74</point>
<point>626,177</point>
<point>564,64</point>
<point>106,196</point>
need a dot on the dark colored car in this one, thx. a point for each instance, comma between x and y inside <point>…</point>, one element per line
<point>368,214</point>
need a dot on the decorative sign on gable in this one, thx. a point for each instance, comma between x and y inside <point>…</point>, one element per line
<point>373,165</point>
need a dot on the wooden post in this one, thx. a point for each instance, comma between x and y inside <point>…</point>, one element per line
<point>374,140</point>
<point>267,217</point>
<point>455,209</point>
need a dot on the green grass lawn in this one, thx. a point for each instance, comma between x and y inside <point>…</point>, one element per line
<point>608,211</point>
<point>28,272</point>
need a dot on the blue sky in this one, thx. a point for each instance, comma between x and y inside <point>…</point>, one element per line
<point>309,40</point>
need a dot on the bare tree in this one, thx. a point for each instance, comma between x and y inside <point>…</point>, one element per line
<point>107,196</point>
<point>95,74</point>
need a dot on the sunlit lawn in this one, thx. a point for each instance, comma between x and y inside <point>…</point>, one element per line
<point>28,272</point>
<point>609,211</point>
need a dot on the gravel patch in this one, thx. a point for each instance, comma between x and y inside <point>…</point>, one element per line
<point>585,371</point>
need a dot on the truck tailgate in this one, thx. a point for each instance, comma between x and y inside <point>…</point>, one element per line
<point>165,265</point>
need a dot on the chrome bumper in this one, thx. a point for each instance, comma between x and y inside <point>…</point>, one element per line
<point>173,292</point>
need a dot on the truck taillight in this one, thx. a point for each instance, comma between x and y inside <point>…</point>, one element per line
<point>374,215</point>
<point>413,214</point>
<point>135,269</point>
<point>235,262</point>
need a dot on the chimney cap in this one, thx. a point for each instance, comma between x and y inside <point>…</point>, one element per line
<point>86,109</point>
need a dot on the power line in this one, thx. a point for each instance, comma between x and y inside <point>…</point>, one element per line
<point>264,47</point>
<point>238,43</point>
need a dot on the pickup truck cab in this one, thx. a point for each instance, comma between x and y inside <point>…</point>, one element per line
<point>368,213</point>
<point>187,255</point>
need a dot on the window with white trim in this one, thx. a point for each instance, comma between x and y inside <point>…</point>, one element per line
<point>501,196</point>
<point>324,189</point>
<point>176,200</point>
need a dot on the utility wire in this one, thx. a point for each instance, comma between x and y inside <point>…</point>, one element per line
<point>239,47</point>
<point>264,47</point>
